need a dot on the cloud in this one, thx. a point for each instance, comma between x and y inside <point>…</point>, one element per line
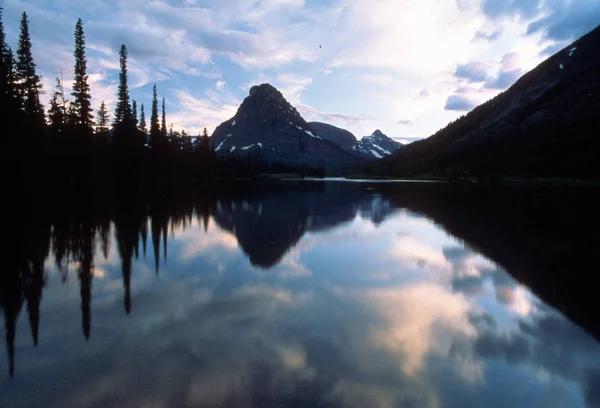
<point>524,9</point>
<point>406,122</point>
<point>552,49</point>
<point>291,86</point>
<point>411,314</point>
<point>220,84</point>
<point>343,120</point>
<point>548,342</point>
<point>196,242</point>
<point>407,140</point>
<point>459,103</point>
<point>469,285</point>
<point>378,27</point>
<point>193,113</point>
<point>408,249</point>
<point>567,20</point>
<point>512,348</point>
<point>472,72</point>
<point>509,73</point>
<point>504,80</point>
<point>487,36</point>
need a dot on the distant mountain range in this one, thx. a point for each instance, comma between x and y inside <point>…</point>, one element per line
<point>371,147</point>
<point>546,125</point>
<point>268,128</point>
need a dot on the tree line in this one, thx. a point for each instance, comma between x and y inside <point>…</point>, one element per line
<point>72,145</point>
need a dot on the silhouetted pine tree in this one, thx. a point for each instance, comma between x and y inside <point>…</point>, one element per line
<point>8,93</point>
<point>57,114</point>
<point>205,142</point>
<point>154,124</point>
<point>134,111</point>
<point>10,110</point>
<point>163,123</point>
<point>82,106</point>
<point>29,83</point>
<point>6,71</point>
<point>102,119</point>
<point>123,109</point>
<point>142,122</point>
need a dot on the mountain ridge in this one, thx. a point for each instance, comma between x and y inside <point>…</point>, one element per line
<point>374,146</point>
<point>267,126</point>
<point>377,145</point>
<point>545,125</point>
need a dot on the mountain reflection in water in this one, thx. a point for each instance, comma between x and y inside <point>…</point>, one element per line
<point>304,294</point>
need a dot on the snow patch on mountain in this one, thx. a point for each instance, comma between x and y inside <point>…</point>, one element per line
<point>252,145</point>
<point>308,132</point>
<point>376,146</point>
<point>374,153</point>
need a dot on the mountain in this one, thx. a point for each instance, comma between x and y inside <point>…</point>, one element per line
<point>546,125</point>
<point>334,134</point>
<point>270,129</point>
<point>376,146</point>
<point>371,147</point>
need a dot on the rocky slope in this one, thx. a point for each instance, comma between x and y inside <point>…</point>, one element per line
<point>270,129</point>
<point>546,125</point>
<point>334,134</point>
<point>371,147</point>
<point>376,146</point>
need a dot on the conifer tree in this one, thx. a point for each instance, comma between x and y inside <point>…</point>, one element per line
<point>123,108</point>
<point>204,144</point>
<point>29,83</point>
<point>163,124</point>
<point>142,123</point>
<point>8,91</point>
<point>134,111</point>
<point>58,108</point>
<point>82,106</point>
<point>154,124</point>
<point>6,69</point>
<point>102,118</point>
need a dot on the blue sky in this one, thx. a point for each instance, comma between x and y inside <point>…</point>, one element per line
<point>407,67</point>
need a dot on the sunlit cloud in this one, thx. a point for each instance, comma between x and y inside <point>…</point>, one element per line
<point>412,316</point>
<point>197,242</point>
<point>410,250</point>
<point>193,113</point>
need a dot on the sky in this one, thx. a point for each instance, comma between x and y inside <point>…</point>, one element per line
<point>407,67</point>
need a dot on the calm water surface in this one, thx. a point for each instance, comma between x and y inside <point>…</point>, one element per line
<point>324,294</point>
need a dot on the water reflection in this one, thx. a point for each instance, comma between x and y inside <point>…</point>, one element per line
<point>314,294</point>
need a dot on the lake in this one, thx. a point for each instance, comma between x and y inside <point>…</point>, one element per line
<point>304,294</point>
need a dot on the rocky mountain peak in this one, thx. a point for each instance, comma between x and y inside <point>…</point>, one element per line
<point>266,103</point>
<point>270,129</point>
<point>265,89</point>
<point>376,146</point>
